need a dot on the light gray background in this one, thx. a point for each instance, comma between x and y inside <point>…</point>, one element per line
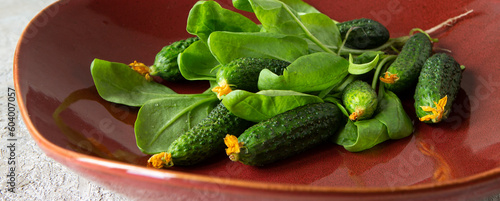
<point>38,177</point>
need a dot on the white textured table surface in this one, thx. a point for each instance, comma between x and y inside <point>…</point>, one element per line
<point>37,176</point>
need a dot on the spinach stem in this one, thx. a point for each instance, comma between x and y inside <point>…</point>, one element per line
<point>434,40</point>
<point>348,80</point>
<point>345,40</point>
<point>336,87</point>
<point>381,92</point>
<point>393,41</point>
<point>338,103</point>
<point>379,68</point>
<point>400,41</point>
<point>309,35</point>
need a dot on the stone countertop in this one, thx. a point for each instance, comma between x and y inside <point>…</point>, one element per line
<point>39,177</point>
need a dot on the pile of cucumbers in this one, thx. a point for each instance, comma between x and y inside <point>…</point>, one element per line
<point>295,80</point>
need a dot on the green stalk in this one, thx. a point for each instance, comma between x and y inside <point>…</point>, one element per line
<point>307,32</point>
<point>379,68</point>
<point>348,80</point>
<point>400,41</point>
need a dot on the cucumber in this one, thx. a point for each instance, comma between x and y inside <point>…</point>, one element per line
<point>402,74</point>
<point>165,64</point>
<point>243,73</point>
<point>360,100</point>
<point>285,134</point>
<point>437,88</point>
<point>202,141</point>
<point>366,34</point>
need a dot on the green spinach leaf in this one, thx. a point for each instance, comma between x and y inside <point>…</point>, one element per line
<point>265,104</point>
<point>118,83</point>
<point>390,122</point>
<point>361,135</point>
<point>208,16</point>
<point>197,62</point>
<point>161,121</point>
<point>367,57</point>
<point>392,114</point>
<point>363,63</point>
<point>278,17</point>
<point>310,73</point>
<point>243,5</point>
<point>322,28</point>
<point>227,46</point>
<point>298,5</point>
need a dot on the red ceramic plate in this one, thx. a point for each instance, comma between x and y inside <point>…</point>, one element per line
<point>457,159</point>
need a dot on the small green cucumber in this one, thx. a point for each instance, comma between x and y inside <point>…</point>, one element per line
<point>437,88</point>
<point>165,64</point>
<point>402,74</point>
<point>285,134</point>
<point>360,100</point>
<point>243,73</point>
<point>365,34</point>
<point>202,141</point>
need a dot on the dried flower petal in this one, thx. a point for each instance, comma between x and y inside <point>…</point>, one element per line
<point>141,69</point>
<point>222,89</point>
<point>160,160</point>
<point>437,113</point>
<point>389,78</point>
<point>233,147</point>
<point>356,114</point>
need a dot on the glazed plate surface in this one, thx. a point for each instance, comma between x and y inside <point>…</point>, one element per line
<point>457,159</point>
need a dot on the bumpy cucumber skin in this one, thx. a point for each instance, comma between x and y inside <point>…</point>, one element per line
<point>361,95</point>
<point>289,133</point>
<point>165,64</point>
<point>440,77</point>
<point>409,63</point>
<point>207,137</point>
<point>243,73</point>
<point>367,34</point>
